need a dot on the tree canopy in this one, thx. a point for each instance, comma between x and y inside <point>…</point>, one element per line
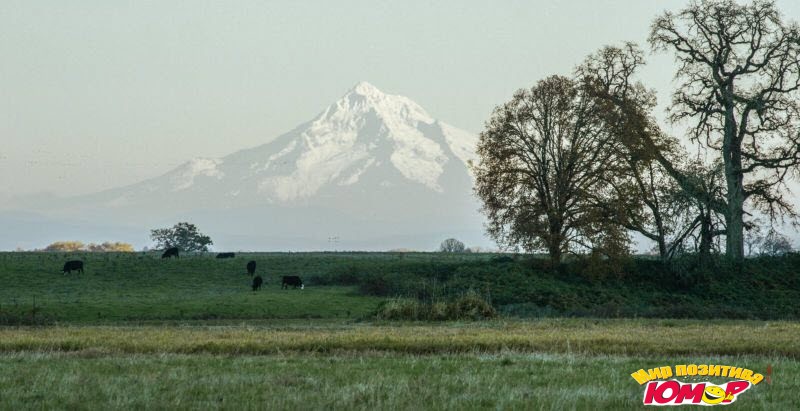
<point>739,88</point>
<point>451,245</point>
<point>184,236</point>
<point>576,163</point>
<point>543,156</point>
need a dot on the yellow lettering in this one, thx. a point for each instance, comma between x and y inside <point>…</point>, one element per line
<point>756,379</point>
<point>747,374</point>
<point>735,372</point>
<point>680,370</point>
<point>702,369</point>
<point>659,373</point>
<point>691,369</point>
<point>641,377</point>
<point>713,370</point>
<point>725,369</point>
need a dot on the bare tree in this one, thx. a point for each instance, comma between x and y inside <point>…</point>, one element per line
<point>775,244</point>
<point>640,188</point>
<point>655,192</point>
<point>451,245</point>
<point>705,224</point>
<point>541,155</point>
<point>739,72</point>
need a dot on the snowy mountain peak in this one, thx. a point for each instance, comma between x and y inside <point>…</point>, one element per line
<point>365,98</point>
<point>366,89</point>
<point>365,142</point>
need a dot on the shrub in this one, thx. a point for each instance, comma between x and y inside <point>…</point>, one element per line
<point>75,246</point>
<point>69,246</point>
<point>398,309</point>
<point>469,306</point>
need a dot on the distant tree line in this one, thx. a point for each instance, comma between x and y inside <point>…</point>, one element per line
<point>577,163</point>
<point>75,246</point>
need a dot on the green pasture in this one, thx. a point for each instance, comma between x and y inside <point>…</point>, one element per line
<point>138,332</point>
<point>126,287</point>
<point>123,287</point>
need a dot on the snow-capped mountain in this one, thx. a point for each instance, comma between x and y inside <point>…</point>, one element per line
<point>371,165</point>
<point>366,139</point>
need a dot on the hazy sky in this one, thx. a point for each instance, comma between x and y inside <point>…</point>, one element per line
<point>97,94</point>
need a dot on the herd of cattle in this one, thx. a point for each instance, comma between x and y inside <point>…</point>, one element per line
<point>287,280</point>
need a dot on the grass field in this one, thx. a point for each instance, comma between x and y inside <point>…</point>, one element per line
<point>546,364</point>
<point>136,332</point>
<point>315,364</point>
<point>135,287</point>
<point>143,287</point>
<point>623,337</point>
<point>354,381</point>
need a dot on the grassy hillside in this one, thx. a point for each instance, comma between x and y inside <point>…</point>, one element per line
<point>143,287</point>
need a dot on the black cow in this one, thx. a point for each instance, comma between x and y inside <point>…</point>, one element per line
<point>292,280</point>
<point>73,265</point>
<point>251,267</point>
<point>257,281</point>
<point>226,255</point>
<point>170,252</point>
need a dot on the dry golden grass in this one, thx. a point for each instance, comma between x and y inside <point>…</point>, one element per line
<point>624,337</point>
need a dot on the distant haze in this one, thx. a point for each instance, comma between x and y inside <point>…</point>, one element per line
<point>111,100</point>
<point>99,94</point>
<point>373,172</point>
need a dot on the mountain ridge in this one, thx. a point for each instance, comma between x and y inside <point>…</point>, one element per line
<point>370,162</point>
<point>365,129</point>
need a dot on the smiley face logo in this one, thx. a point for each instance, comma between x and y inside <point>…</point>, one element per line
<point>713,394</point>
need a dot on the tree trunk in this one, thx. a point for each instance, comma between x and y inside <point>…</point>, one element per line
<point>555,237</point>
<point>555,254</point>
<point>706,236</point>
<point>662,248</point>
<point>734,244</point>
<point>662,241</point>
<point>734,178</point>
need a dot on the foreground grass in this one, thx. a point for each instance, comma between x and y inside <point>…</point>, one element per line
<point>616,337</point>
<point>508,380</point>
<point>319,364</point>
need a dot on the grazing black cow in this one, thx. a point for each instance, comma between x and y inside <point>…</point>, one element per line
<point>73,265</point>
<point>251,267</point>
<point>226,255</point>
<point>292,280</point>
<point>170,252</point>
<point>257,281</point>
